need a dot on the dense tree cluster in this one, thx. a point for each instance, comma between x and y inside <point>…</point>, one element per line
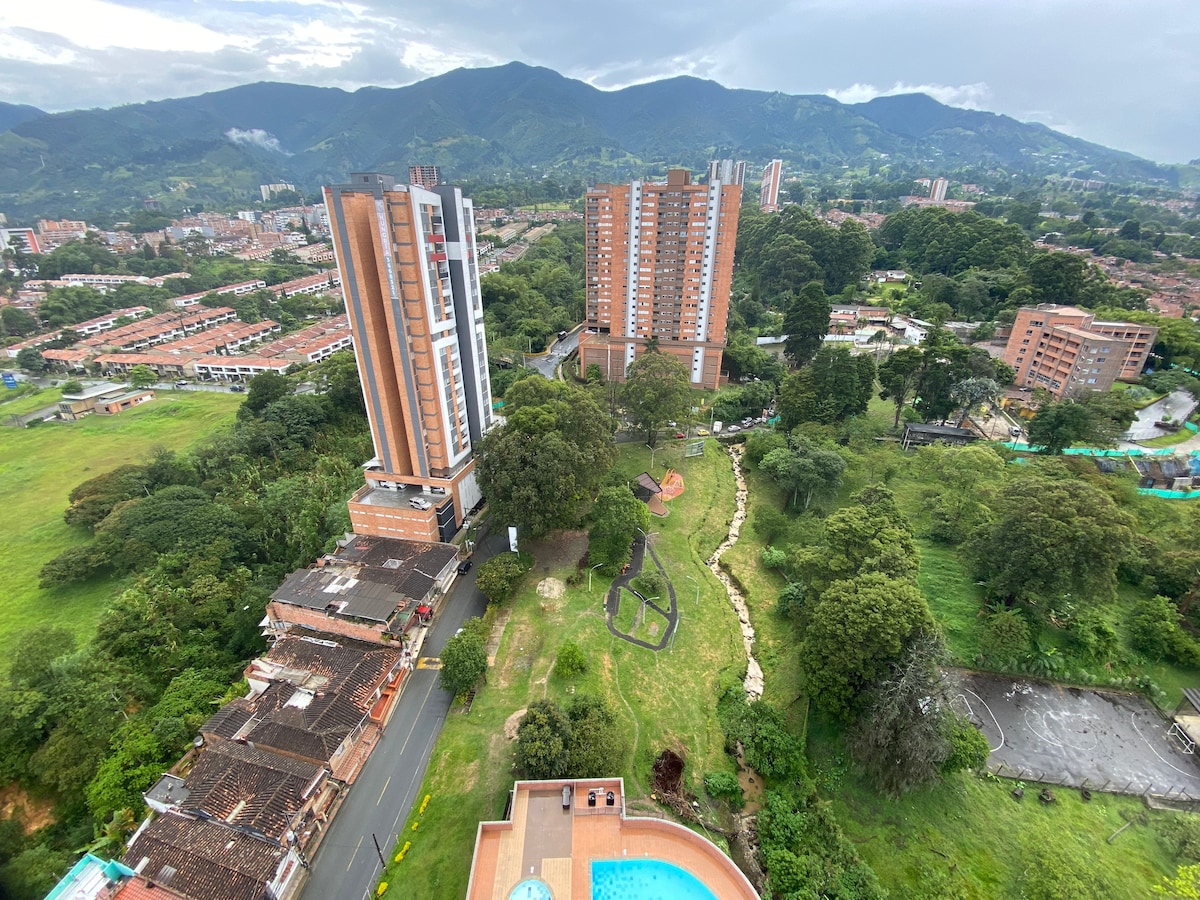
<point>583,741</point>
<point>551,454</point>
<point>788,250</point>
<point>206,536</point>
<point>527,302</point>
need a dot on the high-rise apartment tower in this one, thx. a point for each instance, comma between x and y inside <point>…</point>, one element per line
<point>659,267</point>
<point>427,177</point>
<point>727,171</point>
<point>411,282</point>
<point>768,193</point>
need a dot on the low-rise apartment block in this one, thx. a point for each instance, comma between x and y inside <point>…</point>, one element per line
<point>1064,350</point>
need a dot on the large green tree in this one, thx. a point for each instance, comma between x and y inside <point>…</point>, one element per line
<point>1054,539</point>
<point>616,517</point>
<point>806,322</point>
<point>898,376</point>
<point>833,387</point>
<point>552,452</point>
<point>464,658</point>
<point>657,390</point>
<point>853,632</point>
<point>805,469</point>
<point>544,742</point>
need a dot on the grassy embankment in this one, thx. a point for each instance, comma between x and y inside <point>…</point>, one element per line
<point>965,837</point>
<point>39,467</point>
<point>664,699</point>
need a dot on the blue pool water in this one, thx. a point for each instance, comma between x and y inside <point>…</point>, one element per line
<point>530,889</point>
<point>645,879</point>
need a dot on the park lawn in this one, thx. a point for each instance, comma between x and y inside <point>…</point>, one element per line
<point>664,699</point>
<point>38,469</point>
<point>969,837</point>
<point>27,403</point>
<point>1168,440</point>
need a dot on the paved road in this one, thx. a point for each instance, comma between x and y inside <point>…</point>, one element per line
<point>558,351</point>
<point>346,865</point>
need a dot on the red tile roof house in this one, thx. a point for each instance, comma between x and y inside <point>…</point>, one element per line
<point>207,860</point>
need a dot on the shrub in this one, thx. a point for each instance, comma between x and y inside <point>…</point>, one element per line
<point>773,557</point>
<point>1095,635</point>
<point>649,584</point>
<point>791,600</point>
<point>724,786</point>
<point>1005,639</point>
<point>570,661</point>
<point>1154,630</point>
<point>968,747</point>
<point>499,577</point>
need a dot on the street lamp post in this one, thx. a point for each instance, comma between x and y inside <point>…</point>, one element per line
<point>675,630</point>
<point>652,450</point>
<point>646,600</point>
<point>590,571</point>
<point>697,583</point>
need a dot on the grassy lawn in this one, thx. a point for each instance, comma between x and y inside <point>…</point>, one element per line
<point>664,699</point>
<point>39,467</point>
<point>27,403</point>
<point>968,837</point>
<point>1168,440</point>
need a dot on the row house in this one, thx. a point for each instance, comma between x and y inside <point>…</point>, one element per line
<point>371,589</point>
<point>167,365</point>
<point>159,329</point>
<point>309,284</point>
<point>237,368</point>
<point>314,343</point>
<point>226,338</point>
<point>94,326</point>
<point>235,290</point>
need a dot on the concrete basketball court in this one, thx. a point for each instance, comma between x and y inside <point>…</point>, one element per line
<point>1067,735</point>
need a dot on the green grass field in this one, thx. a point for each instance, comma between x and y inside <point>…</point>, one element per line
<point>664,699</point>
<point>969,838</point>
<point>39,467</point>
<point>966,837</point>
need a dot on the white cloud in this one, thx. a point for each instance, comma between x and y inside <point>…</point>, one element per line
<point>98,25</point>
<point>256,137</point>
<point>964,96</point>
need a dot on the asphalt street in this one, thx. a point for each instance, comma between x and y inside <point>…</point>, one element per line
<point>558,352</point>
<point>346,865</point>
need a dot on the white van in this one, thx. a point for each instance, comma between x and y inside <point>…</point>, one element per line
<point>717,426</point>
<point>419,503</point>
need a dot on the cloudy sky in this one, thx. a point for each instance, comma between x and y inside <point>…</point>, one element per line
<point>1125,73</point>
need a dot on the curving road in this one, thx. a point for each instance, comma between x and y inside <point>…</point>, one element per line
<point>558,352</point>
<point>346,865</point>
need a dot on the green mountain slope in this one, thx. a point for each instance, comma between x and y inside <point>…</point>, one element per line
<point>492,123</point>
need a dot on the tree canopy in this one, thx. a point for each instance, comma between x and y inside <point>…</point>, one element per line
<point>657,390</point>
<point>552,452</point>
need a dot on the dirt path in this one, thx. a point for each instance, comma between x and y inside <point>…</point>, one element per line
<point>753,683</point>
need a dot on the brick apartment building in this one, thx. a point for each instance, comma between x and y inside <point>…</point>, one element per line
<point>1064,350</point>
<point>768,192</point>
<point>411,282</point>
<point>659,266</point>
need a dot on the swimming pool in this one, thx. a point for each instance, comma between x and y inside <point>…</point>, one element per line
<point>530,889</point>
<point>645,879</point>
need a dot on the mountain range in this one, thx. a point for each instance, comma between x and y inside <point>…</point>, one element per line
<point>494,124</point>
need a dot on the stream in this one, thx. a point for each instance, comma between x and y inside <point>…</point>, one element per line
<point>753,683</point>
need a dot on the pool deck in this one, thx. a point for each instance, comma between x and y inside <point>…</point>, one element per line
<point>557,846</point>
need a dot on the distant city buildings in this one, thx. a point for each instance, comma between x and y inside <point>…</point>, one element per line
<point>270,191</point>
<point>411,283</point>
<point>427,177</point>
<point>727,171</point>
<point>768,192</point>
<point>1064,350</point>
<point>937,189</point>
<point>659,265</point>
